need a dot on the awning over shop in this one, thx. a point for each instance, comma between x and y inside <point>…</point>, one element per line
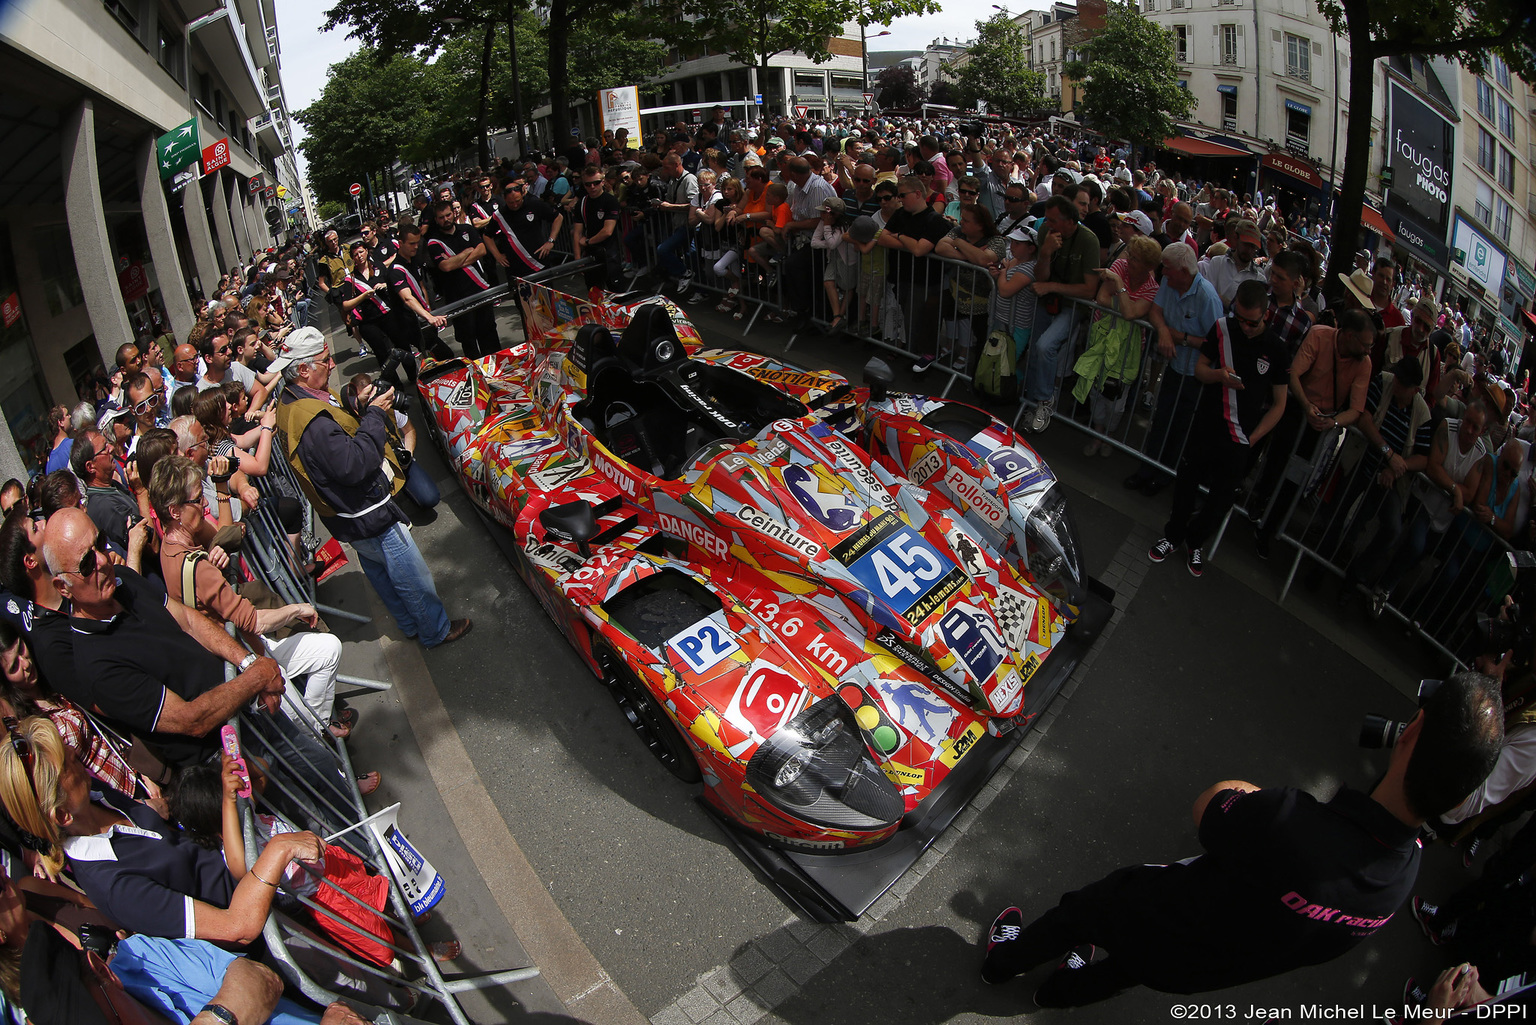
<point>1200,148</point>
<point>1530,316</point>
<point>1371,219</point>
<point>1291,166</point>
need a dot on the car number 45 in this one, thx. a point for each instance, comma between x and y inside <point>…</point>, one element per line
<point>905,565</point>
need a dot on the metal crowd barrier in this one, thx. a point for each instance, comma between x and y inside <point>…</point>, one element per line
<point>312,785</point>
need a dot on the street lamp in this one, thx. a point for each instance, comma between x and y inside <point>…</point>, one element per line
<point>864,52</point>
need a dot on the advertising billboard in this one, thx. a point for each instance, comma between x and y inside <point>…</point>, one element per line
<point>1483,261</point>
<point>621,109</point>
<point>1421,154</point>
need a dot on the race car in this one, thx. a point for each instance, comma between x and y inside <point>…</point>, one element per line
<point>832,605</point>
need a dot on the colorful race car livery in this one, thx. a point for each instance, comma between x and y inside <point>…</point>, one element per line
<point>832,605</point>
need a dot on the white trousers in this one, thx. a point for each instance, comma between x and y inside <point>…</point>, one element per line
<point>314,656</point>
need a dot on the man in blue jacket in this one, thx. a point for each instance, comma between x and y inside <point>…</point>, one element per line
<point>350,473</point>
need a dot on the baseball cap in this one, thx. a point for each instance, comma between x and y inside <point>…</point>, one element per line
<point>775,141</point>
<point>302,345</point>
<point>832,205</point>
<point>112,413</point>
<point>1427,305</point>
<point>1138,220</point>
<point>1249,230</point>
<point>1022,233</point>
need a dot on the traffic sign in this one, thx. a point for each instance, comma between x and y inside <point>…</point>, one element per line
<point>216,156</point>
<point>802,109</point>
<point>758,99</point>
<point>356,189</point>
<point>869,98</point>
<point>177,148</point>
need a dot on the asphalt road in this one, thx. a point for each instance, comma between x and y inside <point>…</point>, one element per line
<point>1200,680</point>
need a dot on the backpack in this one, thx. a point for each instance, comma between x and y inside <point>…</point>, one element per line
<point>996,376</point>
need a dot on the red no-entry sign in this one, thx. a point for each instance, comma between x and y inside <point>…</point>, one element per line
<point>356,189</point>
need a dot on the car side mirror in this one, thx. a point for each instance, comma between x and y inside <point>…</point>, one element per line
<point>878,375</point>
<point>573,521</point>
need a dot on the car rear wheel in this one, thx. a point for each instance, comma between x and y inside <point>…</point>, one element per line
<point>649,719</point>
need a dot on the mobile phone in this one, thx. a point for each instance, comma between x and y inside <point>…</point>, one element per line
<point>232,748</point>
<point>1235,377</point>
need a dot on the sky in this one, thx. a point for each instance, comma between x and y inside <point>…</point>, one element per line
<point>308,52</point>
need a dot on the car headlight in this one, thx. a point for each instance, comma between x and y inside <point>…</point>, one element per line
<point>1051,552</point>
<point>817,769</point>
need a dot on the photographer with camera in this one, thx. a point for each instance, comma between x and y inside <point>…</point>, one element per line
<point>351,473</point>
<point>355,398</point>
<point>1285,881</point>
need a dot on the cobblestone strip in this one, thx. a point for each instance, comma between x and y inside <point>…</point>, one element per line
<point>773,968</point>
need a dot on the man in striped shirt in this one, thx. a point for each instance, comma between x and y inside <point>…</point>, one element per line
<point>454,252</point>
<point>1245,371</point>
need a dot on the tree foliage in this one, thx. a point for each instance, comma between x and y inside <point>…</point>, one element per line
<point>896,88</point>
<point>361,121</point>
<point>1467,31</point>
<point>1130,79</point>
<point>996,69</point>
<point>752,32</point>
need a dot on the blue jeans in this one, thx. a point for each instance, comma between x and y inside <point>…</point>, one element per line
<point>1045,352</point>
<point>669,255</point>
<point>395,568</point>
<point>421,486</point>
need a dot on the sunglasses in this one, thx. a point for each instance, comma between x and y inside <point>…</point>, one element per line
<point>969,192</point>
<point>514,188</point>
<point>89,561</point>
<point>1258,323</point>
<point>22,745</point>
<point>590,185</point>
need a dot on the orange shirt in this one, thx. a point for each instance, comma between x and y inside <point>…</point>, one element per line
<point>1331,384</point>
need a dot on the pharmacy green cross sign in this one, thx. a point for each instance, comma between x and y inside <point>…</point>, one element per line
<point>177,148</point>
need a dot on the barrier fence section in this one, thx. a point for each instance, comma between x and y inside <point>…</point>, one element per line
<point>310,784</point>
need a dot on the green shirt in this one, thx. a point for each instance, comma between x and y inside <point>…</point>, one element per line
<point>1077,256</point>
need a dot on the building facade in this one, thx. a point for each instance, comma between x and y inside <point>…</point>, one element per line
<point>96,248</point>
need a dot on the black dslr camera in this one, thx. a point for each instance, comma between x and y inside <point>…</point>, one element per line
<point>1377,731</point>
<point>402,402</point>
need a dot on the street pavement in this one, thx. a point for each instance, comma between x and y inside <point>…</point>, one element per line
<point>1195,681</point>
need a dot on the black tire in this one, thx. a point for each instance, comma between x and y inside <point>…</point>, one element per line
<point>649,719</point>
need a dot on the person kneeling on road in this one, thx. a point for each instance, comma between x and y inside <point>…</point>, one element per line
<point>350,473</point>
<point>1285,881</point>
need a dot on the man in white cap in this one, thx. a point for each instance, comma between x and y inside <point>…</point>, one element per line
<point>341,463</point>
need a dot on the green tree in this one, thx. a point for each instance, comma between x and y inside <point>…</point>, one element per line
<point>996,69</point>
<point>896,88</point>
<point>1130,79</point>
<point>752,32</point>
<point>1467,31</point>
<point>360,123</point>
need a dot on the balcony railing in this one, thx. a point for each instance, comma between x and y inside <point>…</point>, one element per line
<point>1229,58</point>
<point>1302,74</point>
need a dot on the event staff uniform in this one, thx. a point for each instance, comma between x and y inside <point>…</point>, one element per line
<point>410,331</point>
<point>595,213</point>
<point>475,331</point>
<point>523,232</point>
<point>1285,881</point>
<point>374,316</point>
<point>1217,453</point>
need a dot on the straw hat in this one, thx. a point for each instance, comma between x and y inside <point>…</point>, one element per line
<point>1360,284</point>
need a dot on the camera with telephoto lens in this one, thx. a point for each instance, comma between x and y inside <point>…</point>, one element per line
<point>402,401</point>
<point>1507,631</point>
<point>1377,731</point>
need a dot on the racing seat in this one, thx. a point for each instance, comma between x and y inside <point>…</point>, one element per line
<point>593,346</point>
<point>650,342</point>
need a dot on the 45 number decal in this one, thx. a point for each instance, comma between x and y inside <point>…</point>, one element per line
<point>901,569</point>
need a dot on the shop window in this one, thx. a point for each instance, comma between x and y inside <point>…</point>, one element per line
<point>1298,132</point>
<point>813,82</point>
<point>56,267</point>
<point>1228,112</point>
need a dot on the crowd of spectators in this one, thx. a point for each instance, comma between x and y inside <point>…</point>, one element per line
<point>132,630</point>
